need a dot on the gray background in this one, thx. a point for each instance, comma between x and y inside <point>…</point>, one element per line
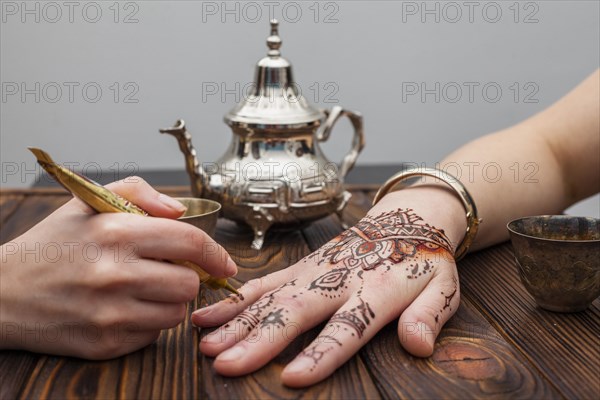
<point>360,54</point>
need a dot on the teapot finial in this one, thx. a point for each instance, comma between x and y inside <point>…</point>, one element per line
<point>275,100</point>
<point>274,41</point>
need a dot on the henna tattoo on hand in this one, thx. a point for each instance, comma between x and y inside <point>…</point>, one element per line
<point>251,317</point>
<point>275,318</point>
<point>381,241</point>
<point>316,353</point>
<point>356,319</point>
<point>448,298</point>
<point>332,283</point>
<point>387,239</point>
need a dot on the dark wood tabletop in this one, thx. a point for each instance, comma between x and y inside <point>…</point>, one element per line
<point>499,344</point>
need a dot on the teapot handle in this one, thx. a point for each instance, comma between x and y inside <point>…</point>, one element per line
<point>358,141</point>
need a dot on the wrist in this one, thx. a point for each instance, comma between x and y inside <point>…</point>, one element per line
<point>435,203</point>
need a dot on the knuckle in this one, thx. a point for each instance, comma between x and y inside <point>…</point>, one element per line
<point>380,280</point>
<point>198,239</point>
<point>173,316</point>
<point>103,350</point>
<point>292,302</point>
<point>450,288</point>
<point>190,287</point>
<point>134,179</point>
<point>110,228</point>
<point>108,318</point>
<point>255,285</point>
<point>428,312</point>
<point>110,279</point>
<point>177,315</point>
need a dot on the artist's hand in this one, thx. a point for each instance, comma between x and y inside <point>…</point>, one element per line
<point>89,285</point>
<point>391,264</point>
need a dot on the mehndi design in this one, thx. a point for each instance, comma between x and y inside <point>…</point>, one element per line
<point>375,243</point>
<point>385,240</point>
<point>392,236</point>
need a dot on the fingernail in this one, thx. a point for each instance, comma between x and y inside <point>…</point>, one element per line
<point>231,268</point>
<point>171,203</point>
<point>232,354</point>
<point>299,365</point>
<point>202,312</point>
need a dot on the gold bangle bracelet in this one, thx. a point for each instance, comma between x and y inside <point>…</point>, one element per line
<point>467,201</point>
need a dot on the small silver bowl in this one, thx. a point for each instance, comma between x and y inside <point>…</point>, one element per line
<point>202,213</point>
<point>558,257</point>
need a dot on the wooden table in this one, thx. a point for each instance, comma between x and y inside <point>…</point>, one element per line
<point>499,344</point>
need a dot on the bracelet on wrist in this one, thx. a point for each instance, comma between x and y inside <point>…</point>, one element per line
<point>473,221</point>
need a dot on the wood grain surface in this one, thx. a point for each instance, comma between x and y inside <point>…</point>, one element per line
<point>498,345</point>
<point>565,347</point>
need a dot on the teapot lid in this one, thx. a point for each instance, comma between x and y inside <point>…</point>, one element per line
<point>274,100</point>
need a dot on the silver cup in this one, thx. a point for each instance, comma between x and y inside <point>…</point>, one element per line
<point>202,213</point>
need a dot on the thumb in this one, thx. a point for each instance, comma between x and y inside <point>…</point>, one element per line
<point>422,321</point>
<point>140,193</point>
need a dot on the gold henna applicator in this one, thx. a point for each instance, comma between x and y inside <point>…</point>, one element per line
<point>103,200</point>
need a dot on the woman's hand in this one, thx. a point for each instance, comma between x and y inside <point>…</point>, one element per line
<point>90,285</point>
<point>391,264</point>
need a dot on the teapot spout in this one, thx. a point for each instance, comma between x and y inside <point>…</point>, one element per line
<point>192,166</point>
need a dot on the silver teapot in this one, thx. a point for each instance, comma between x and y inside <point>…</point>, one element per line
<point>274,172</point>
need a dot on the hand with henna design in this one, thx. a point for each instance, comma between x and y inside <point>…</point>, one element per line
<point>397,262</point>
<point>391,263</point>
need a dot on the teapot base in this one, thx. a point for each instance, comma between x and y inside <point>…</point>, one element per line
<point>262,218</point>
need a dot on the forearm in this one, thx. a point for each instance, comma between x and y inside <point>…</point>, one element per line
<point>540,166</point>
<point>509,174</point>
<point>506,180</point>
